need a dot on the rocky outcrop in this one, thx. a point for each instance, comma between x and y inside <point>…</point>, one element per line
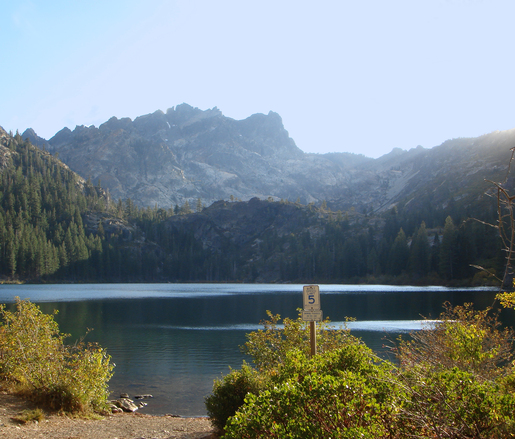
<point>188,154</point>
<point>246,229</point>
<point>243,223</point>
<point>109,224</point>
<point>5,152</point>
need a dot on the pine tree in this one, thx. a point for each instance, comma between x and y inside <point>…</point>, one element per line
<point>11,252</point>
<point>399,254</point>
<point>448,250</point>
<point>419,252</point>
<point>186,209</point>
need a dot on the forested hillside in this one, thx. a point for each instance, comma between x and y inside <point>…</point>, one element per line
<point>267,241</point>
<point>56,226</point>
<point>42,204</point>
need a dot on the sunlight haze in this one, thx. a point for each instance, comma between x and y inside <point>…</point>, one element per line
<point>345,76</point>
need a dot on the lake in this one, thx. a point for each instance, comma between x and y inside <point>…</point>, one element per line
<point>173,340</point>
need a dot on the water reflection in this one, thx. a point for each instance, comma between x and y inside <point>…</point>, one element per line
<point>173,340</point>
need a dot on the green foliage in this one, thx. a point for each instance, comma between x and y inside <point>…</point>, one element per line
<point>229,394</point>
<point>391,250</point>
<point>320,406</point>
<point>399,254</point>
<point>269,347</point>
<point>507,299</point>
<point>281,353</point>
<point>34,358</point>
<point>420,252</point>
<point>454,403</point>
<point>465,338</point>
<point>26,416</point>
<point>41,209</point>
<point>455,379</point>
<point>342,393</point>
<point>458,377</point>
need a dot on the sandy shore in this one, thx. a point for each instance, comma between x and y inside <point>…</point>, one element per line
<point>117,426</point>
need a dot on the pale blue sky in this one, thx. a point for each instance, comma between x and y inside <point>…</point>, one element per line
<point>353,76</point>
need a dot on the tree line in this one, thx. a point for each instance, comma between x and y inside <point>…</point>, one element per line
<point>43,237</point>
<point>357,248</point>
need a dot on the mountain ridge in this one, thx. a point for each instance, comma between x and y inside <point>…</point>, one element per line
<point>424,237</point>
<point>186,154</point>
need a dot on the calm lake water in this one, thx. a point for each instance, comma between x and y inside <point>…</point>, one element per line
<point>173,340</point>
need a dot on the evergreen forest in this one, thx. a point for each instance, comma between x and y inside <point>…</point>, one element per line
<point>56,226</point>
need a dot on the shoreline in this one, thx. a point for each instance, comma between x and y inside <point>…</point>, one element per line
<point>110,426</point>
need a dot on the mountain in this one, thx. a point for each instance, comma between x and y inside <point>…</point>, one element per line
<point>455,170</point>
<point>187,154</point>
<point>58,226</point>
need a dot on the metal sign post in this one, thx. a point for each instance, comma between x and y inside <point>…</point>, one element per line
<point>312,312</point>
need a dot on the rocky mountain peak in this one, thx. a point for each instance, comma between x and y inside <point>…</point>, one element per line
<point>115,124</point>
<point>61,137</point>
<point>31,135</point>
<point>183,154</point>
<point>151,124</point>
<point>187,154</point>
<point>184,114</point>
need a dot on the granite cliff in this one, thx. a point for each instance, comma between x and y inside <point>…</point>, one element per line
<point>188,154</point>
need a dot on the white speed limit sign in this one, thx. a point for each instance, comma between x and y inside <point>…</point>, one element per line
<point>311,297</point>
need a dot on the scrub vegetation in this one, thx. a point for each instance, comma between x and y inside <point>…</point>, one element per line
<point>35,362</point>
<point>455,379</point>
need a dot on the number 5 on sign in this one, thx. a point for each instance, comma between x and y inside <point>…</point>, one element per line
<point>311,297</point>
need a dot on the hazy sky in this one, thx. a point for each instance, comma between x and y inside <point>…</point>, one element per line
<point>360,76</point>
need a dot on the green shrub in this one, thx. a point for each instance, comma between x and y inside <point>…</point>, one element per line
<point>458,377</point>
<point>357,358</point>
<point>269,349</point>
<point>465,338</point>
<point>341,393</point>
<point>453,403</point>
<point>269,346</point>
<point>455,379</point>
<point>26,416</point>
<point>229,394</point>
<point>34,358</point>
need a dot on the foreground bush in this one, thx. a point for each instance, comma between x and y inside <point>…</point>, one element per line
<point>458,377</point>
<point>35,360</point>
<point>229,394</point>
<point>454,380</point>
<point>454,404</point>
<point>268,347</point>
<point>343,393</point>
<point>464,338</point>
<point>281,353</point>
